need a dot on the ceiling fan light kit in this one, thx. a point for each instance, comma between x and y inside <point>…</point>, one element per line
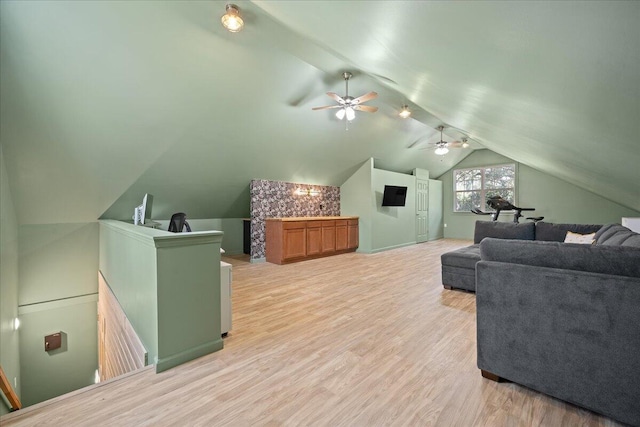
<point>232,20</point>
<point>441,150</point>
<point>347,104</point>
<point>405,112</point>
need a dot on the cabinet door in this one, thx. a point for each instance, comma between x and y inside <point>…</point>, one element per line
<point>314,239</point>
<point>352,239</point>
<point>328,239</point>
<point>294,242</point>
<point>341,236</point>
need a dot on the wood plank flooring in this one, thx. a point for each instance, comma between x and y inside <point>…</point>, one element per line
<point>350,340</point>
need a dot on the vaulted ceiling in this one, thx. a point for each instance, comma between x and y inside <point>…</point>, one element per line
<point>102,102</point>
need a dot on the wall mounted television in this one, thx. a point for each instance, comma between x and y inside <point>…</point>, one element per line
<point>394,195</point>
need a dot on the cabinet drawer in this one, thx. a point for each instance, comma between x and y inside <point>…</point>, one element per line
<point>290,225</point>
<point>313,224</point>
<point>327,223</point>
<point>353,222</point>
<point>341,222</point>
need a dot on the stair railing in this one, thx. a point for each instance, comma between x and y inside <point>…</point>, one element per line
<point>11,395</point>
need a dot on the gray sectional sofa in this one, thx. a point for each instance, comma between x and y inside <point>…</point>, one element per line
<point>459,266</point>
<point>564,319</point>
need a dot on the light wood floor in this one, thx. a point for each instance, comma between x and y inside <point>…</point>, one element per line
<point>353,340</point>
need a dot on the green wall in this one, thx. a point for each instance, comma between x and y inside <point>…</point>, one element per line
<point>381,227</point>
<point>356,200</point>
<point>129,268</point>
<point>58,261</point>
<point>232,242</point>
<point>392,226</point>
<point>168,285</point>
<point>58,292</point>
<point>49,374</point>
<point>558,201</point>
<point>9,342</point>
<point>436,230</point>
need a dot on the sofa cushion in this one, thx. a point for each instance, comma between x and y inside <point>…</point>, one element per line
<point>557,232</point>
<point>503,230</point>
<point>617,235</point>
<point>604,259</point>
<point>632,241</point>
<point>463,257</point>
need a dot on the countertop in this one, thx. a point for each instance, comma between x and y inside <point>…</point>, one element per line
<point>311,218</point>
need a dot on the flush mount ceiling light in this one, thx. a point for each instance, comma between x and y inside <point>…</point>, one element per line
<point>405,112</point>
<point>232,20</point>
<point>465,143</point>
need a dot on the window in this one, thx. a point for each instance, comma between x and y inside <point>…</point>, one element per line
<point>473,187</point>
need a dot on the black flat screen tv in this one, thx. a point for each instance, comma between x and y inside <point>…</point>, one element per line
<point>394,195</point>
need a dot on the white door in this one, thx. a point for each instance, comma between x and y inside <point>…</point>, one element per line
<point>422,210</point>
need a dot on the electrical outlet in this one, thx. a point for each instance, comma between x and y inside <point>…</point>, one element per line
<point>15,382</point>
<point>445,225</point>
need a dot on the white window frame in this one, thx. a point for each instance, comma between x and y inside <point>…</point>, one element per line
<point>483,190</point>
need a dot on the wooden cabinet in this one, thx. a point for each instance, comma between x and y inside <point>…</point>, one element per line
<point>328,236</point>
<point>342,234</point>
<point>314,238</point>
<point>352,239</point>
<point>296,239</point>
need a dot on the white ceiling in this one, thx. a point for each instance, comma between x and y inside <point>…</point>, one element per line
<point>104,101</point>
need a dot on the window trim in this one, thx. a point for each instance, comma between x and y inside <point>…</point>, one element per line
<point>482,189</point>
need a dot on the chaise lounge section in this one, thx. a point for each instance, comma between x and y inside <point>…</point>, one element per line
<point>459,266</point>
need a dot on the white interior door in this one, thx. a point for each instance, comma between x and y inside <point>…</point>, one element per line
<point>422,210</point>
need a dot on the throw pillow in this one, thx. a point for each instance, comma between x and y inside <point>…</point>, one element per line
<point>579,238</point>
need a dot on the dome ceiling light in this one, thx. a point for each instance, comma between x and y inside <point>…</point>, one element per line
<point>405,112</point>
<point>232,20</point>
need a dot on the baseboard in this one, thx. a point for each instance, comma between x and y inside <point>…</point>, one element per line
<point>257,260</point>
<point>174,360</point>
<point>402,245</point>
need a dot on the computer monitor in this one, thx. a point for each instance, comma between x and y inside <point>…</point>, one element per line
<point>142,213</point>
<point>147,204</point>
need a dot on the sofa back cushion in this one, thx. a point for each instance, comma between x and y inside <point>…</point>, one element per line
<point>503,230</point>
<point>617,235</point>
<point>603,259</point>
<point>557,232</point>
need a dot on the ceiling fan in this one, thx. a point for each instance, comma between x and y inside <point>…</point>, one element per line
<point>348,105</point>
<point>442,146</point>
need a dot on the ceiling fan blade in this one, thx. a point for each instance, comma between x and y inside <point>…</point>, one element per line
<point>336,97</point>
<point>366,108</point>
<point>364,98</point>
<point>327,107</point>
